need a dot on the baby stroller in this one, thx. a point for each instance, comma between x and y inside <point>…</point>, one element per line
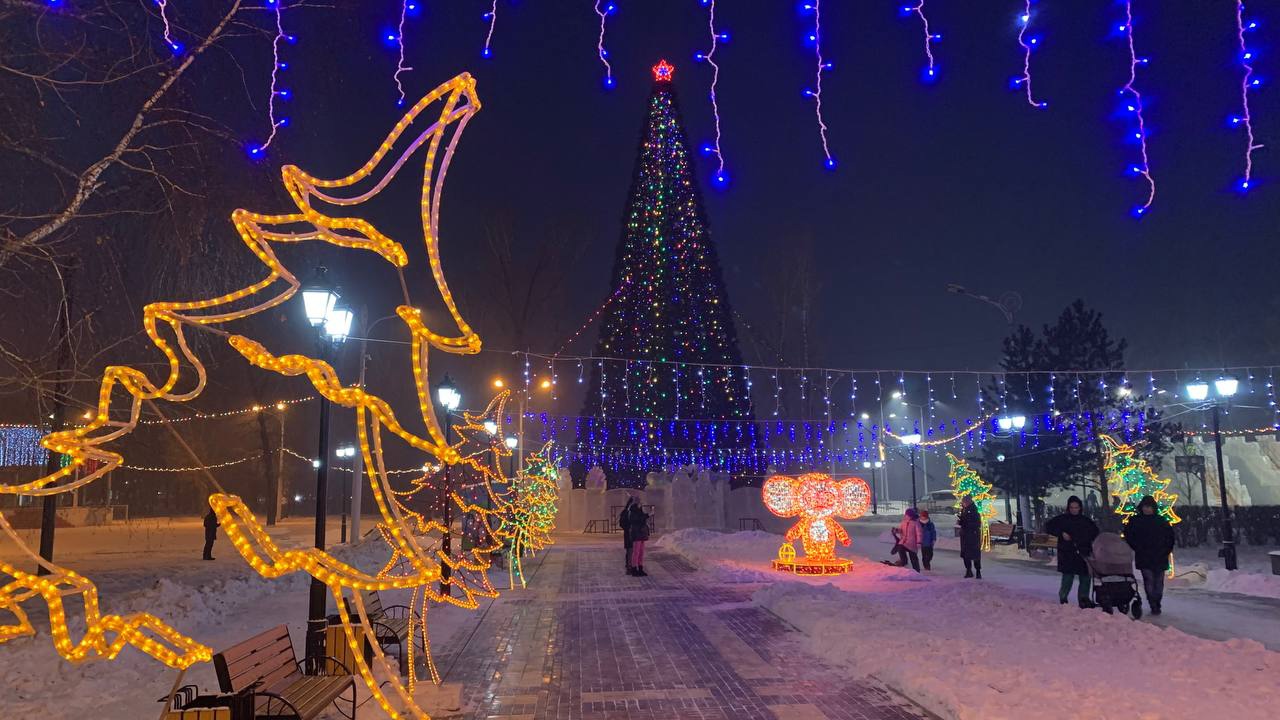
<point>1114,585</point>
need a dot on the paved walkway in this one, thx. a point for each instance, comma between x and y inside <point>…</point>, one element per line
<point>586,642</point>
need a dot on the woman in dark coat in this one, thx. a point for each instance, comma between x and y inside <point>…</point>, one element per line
<point>638,522</point>
<point>210,534</point>
<point>1075,533</point>
<point>970,537</point>
<point>1151,538</point>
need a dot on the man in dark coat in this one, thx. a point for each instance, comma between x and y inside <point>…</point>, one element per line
<point>970,537</point>
<point>210,534</point>
<point>1075,533</point>
<point>1151,538</point>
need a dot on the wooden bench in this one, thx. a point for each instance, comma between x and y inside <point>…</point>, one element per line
<point>267,666</point>
<point>1001,533</point>
<point>389,624</point>
<point>1037,542</point>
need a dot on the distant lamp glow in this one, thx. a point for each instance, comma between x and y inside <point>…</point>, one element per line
<point>498,383</point>
<point>448,395</point>
<point>897,394</point>
<point>1226,386</point>
<point>1016,422</point>
<point>545,384</point>
<point>279,406</point>
<point>866,463</point>
<point>346,451</point>
<point>912,439</point>
<point>491,427</point>
<point>315,464</point>
<point>1197,390</point>
<point>511,442</point>
<point>865,416</point>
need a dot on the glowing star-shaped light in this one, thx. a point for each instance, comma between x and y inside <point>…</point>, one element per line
<point>818,500</point>
<point>663,71</point>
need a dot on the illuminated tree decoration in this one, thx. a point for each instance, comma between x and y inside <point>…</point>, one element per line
<point>818,500</point>
<point>417,558</point>
<point>965,481</point>
<point>673,320</point>
<point>1130,478</point>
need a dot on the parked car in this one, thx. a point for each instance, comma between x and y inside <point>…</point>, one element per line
<point>939,501</point>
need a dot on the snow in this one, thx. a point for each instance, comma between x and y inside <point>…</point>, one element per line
<point>154,566</point>
<point>981,649</point>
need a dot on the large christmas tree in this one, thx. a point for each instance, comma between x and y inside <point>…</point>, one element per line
<point>670,331</point>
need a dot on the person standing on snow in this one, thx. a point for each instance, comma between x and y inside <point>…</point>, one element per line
<point>1152,539</point>
<point>970,524</point>
<point>1075,533</point>
<point>210,533</point>
<point>638,521</point>
<point>928,536</point>
<point>624,522</point>
<point>909,536</point>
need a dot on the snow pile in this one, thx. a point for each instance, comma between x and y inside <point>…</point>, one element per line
<point>967,649</point>
<point>1246,583</point>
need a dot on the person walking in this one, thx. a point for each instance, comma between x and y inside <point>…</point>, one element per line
<point>1075,533</point>
<point>624,522</point>
<point>1152,540</point>
<point>639,524</point>
<point>210,533</point>
<point>928,536</point>
<point>970,524</point>
<point>909,537</point>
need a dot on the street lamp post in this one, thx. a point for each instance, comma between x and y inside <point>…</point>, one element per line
<point>357,470</point>
<point>913,441</point>
<point>1225,387</point>
<point>1012,425</point>
<point>875,496</point>
<point>333,324</point>
<point>512,441</point>
<point>346,452</point>
<point>449,397</point>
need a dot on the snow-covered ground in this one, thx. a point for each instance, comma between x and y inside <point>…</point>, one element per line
<point>1002,647</point>
<point>155,565</point>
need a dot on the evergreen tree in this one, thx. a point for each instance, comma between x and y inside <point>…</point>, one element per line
<point>672,321</point>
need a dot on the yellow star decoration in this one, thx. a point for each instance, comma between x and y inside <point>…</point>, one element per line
<point>417,560</point>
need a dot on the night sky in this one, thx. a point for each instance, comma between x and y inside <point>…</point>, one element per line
<point>955,182</point>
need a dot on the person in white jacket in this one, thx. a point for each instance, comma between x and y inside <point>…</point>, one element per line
<point>909,535</point>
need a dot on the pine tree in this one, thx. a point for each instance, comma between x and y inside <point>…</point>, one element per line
<point>966,481</point>
<point>1130,479</point>
<point>671,327</point>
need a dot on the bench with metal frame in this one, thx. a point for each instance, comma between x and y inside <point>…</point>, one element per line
<point>389,624</point>
<point>1002,533</point>
<point>750,523</point>
<point>266,665</point>
<point>1042,541</point>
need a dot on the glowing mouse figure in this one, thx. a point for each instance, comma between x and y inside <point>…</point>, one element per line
<point>818,500</point>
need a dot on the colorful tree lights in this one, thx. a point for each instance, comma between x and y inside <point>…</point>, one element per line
<point>674,314</point>
<point>818,500</point>
<point>965,481</point>
<point>1129,478</point>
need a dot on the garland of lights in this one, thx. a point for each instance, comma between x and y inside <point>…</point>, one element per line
<point>965,481</point>
<point>413,564</point>
<point>604,12</point>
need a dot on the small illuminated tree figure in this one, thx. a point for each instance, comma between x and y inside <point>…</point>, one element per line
<point>1130,478</point>
<point>818,500</point>
<point>966,481</point>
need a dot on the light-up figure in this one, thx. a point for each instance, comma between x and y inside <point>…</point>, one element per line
<point>818,500</point>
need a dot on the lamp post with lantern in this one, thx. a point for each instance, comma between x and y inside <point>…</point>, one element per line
<point>912,441</point>
<point>1011,427</point>
<point>1224,388</point>
<point>332,323</point>
<point>347,452</point>
<point>449,398</point>
<point>873,466</point>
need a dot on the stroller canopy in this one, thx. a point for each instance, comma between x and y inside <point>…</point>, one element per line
<point>1111,555</point>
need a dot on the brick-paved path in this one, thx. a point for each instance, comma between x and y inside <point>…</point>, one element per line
<point>586,642</point>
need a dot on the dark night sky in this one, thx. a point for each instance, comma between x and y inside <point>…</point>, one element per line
<point>960,181</point>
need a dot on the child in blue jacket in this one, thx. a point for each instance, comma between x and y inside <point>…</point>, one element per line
<point>928,537</point>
